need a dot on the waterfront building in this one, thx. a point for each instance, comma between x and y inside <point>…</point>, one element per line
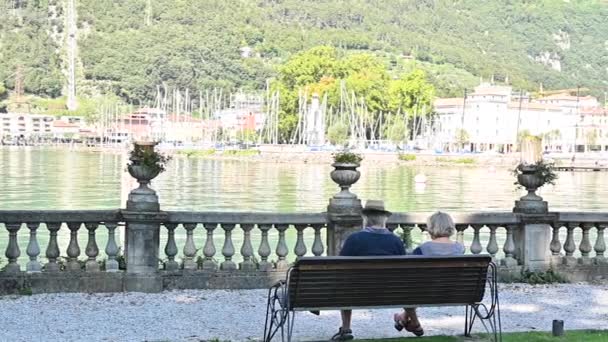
<point>24,125</point>
<point>493,117</point>
<point>244,116</point>
<point>65,129</point>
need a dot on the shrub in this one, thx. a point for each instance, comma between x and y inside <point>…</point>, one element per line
<point>538,278</point>
<point>464,161</point>
<point>407,157</point>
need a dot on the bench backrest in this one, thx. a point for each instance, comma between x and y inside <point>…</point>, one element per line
<point>325,283</point>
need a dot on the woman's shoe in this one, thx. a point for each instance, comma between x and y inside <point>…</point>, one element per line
<point>399,324</point>
<point>414,329</point>
<point>343,335</point>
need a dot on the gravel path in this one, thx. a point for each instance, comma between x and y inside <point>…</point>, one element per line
<point>200,315</point>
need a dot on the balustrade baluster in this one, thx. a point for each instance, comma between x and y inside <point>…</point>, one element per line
<point>476,244</point>
<point>407,239</point>
<point>228,249</point>
<point>460,228</point>
<point>33,249</point>
<point>282,249</point>
<point>247,249</point>
<point>556,245</point>
<point>264,249</point>
<point>189,247</point>
<point>585,245</point>
<point>492,246</point>
<point>91,250</point>
<point>73,248</point>
<point>424,234</point>
<point>569,245</point>
<point>171,248</point>
<point>12,249</point>
<point>209,249</point>
<point>600,245</point>
<point>317,246</point>
<point>509,248</point>
<point>111,248</point>
<point>52,250</point>
<point>300,248</point>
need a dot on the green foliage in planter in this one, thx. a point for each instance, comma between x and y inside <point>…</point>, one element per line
<point>542,169</point>
<point>347,158</point>
<point>147,156</point>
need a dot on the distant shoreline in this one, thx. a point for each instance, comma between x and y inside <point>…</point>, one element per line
<point>297,154</point>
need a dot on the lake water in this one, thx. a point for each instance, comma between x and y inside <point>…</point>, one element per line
<point>53,179</point>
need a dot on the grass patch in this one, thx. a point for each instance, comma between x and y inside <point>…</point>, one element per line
<point>240,153</point>
<point>464,161</point>
<point>197,153</point>
<point>570,336</point>
<point>407,157</point>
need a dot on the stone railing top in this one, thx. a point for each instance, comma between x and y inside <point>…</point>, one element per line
<point>24,216</point>
<point>245,217</point>
<point>419,218</point>
<point>460,218</point>
<point>590,217</point>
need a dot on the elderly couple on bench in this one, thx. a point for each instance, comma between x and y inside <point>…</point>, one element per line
<point>376,240</point>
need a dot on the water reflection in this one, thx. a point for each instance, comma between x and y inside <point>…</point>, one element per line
<point>52,179</point>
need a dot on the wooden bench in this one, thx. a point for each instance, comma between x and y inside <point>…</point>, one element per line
<point>338,283</point>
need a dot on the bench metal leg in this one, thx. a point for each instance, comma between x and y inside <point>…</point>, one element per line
<point>291,319</point>
<point>276,314</point>
<point>489,316</point>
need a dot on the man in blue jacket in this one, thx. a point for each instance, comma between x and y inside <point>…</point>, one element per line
<point>373,239</point>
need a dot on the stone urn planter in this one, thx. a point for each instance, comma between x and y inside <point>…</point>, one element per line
<point>345,175</point>
<point>146,164</point>
<point>531,177</point>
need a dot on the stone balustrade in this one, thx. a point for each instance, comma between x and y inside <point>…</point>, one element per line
<point>200,249</point>
<point>249,226</point>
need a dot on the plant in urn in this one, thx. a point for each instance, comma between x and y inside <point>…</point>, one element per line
<point>533,173</point>
<point>345,172</point>
<point>145,164</point>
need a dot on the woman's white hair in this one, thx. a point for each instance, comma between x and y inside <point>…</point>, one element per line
<point>440,225</point>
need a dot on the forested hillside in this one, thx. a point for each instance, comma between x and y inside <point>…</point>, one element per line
<point>129,47</point>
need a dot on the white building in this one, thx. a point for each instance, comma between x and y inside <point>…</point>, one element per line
<point>25,125</point>
<point>493,116</point>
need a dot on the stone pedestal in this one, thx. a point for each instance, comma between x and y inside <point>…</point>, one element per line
<point>344,209</point>
<point>344,218</point>
<point>532,246</point>
<point>142,232</point>
<point>531,206</point>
